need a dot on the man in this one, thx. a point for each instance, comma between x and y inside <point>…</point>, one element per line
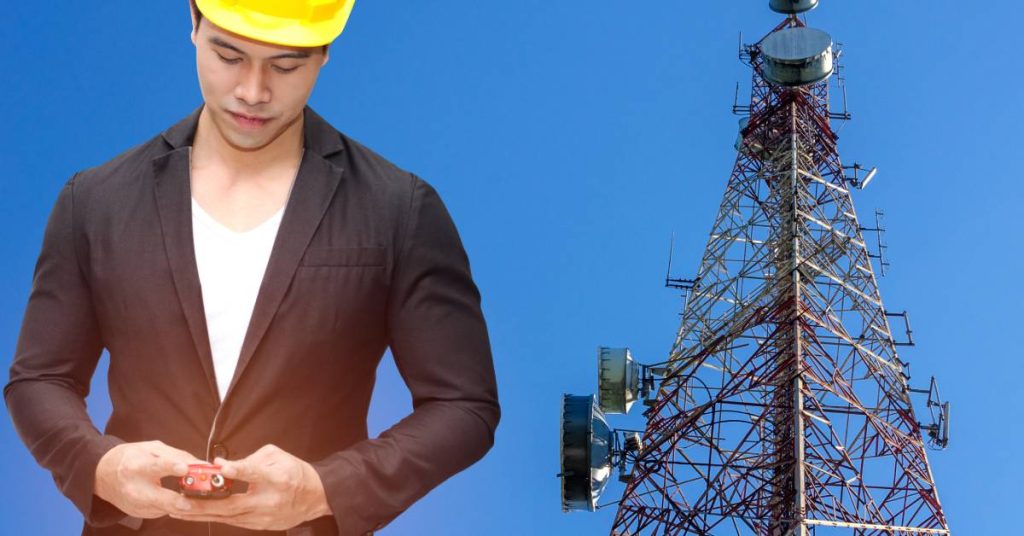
<point>246,270</point>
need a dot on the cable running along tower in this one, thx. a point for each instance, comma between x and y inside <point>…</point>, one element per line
<point>784,408</point>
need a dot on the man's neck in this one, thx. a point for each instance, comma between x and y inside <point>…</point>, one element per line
<point>211,150</point>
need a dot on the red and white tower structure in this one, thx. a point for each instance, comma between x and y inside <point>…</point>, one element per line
<point>784,408</point>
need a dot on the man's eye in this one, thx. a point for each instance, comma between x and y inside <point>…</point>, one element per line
<point>228,60</point>
<point>236,60</point>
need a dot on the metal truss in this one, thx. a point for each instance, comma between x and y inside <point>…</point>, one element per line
<point>786,408</point>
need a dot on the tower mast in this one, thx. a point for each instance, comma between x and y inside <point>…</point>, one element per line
<point>784,408</point>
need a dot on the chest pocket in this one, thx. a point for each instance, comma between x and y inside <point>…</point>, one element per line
<point>337,300</point>
<point>367,256</point>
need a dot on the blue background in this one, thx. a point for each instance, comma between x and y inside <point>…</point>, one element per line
<point>569,140</point>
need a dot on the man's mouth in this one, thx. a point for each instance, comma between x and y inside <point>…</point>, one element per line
<point>248,121</point>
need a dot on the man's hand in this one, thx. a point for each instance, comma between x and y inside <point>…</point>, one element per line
<point>284,491</point>
<point>128,476</point>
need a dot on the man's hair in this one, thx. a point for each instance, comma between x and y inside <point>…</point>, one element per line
<point>199,17</point>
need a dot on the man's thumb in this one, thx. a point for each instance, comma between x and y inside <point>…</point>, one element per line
<point>180,468</point>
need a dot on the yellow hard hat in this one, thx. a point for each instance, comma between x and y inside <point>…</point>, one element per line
<point>298,23</point>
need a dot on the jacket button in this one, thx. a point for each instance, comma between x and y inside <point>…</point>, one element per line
<point>220,451</point>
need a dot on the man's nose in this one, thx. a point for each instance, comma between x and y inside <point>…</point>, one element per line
<point>252,89</point>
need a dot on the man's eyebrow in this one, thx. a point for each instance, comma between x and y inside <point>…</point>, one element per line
<point>222,43</point>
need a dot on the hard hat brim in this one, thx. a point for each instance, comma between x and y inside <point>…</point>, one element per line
<point>275,30</point>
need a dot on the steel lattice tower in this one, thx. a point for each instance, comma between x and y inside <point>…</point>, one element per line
<point>785,409</point>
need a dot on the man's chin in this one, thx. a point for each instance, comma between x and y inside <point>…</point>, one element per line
<point>246,144</point>
<point>243,141</point>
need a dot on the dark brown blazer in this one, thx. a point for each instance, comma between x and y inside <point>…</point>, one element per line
<point>366,258</point>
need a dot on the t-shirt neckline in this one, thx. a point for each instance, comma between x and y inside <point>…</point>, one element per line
<point>212,222</point>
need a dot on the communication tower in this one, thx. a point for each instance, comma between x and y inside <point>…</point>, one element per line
<point>784,408</point>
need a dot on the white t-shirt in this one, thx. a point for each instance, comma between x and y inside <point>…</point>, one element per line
<point>231,266</point>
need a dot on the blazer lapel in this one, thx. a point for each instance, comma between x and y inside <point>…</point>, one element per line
<point>312,192</point>
<point>173,201</point>
<point>314,187</point>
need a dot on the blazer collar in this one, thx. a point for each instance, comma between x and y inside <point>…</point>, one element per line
<point>314,188</point>
<point>318,135</point>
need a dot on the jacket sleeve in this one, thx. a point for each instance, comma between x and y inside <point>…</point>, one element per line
<point>439,340</point>
<point>56,355</point>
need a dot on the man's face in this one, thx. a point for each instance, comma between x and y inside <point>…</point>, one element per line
<point>239,76</point>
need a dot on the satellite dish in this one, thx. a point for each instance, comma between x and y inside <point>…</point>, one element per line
<point>792,7</point>
<point>797,56</point>
<point>618,379</point>
<point>586,452</point>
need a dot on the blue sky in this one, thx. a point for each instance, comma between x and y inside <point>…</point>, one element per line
<point>569,140</point>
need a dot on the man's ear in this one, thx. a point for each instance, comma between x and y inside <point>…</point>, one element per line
<point>195,27</point>
<point>327,55</point>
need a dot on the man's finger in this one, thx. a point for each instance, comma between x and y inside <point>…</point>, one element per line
<point>233,506</point>
<point>176,466</point>
<point>157,465</point>
<point>177,455</point>
<point>171,461</point>
<point>169,501</point>
<point>246,521</point>
<point>239,470</point>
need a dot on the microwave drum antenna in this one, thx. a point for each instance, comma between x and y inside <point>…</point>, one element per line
<point>586,452</point>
